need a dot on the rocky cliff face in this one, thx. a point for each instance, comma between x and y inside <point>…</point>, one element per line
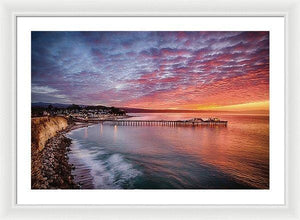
<point>44,128</point>
<point>49,161</point>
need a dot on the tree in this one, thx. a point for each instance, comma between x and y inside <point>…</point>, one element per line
<point>50,107</point>
<point>117,111</point>
<point>74,107</point>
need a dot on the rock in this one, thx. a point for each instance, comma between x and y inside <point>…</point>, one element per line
<point>50,168</point>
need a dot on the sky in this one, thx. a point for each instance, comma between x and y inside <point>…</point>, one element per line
<point>152,70</point>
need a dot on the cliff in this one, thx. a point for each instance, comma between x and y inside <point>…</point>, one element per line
<point>49,160</point>
<point>44,128</point>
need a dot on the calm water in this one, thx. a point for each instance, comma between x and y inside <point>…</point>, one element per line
<point>161,157</point>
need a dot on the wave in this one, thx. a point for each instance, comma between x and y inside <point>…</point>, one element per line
<point>109,170</point>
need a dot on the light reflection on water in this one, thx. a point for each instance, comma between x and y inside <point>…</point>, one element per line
<point>236,156</point>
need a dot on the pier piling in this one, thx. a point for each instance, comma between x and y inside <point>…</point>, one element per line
<point>165,123</point>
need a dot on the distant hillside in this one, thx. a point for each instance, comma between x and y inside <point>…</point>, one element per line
<point>59,105</point>
<point>45,105</point>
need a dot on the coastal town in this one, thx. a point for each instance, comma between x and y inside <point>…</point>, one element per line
<point>78,112</point>
<point>118,116</point>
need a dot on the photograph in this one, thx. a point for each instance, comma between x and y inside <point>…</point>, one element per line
<point>150,110</point>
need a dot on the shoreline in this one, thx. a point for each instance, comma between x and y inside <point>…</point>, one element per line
<point>80,173</point>
<point>50,167</point>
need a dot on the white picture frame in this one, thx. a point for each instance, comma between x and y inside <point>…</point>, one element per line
<point>9,10</point>
<point>274,195</point>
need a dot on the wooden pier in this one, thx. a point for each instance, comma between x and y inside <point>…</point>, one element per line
<point>165,123</point>
<point>128,122</point>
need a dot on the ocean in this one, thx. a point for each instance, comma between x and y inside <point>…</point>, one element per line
<point>166,157</point>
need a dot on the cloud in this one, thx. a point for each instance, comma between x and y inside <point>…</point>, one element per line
<point>42,89</point>
<point>151,69</point>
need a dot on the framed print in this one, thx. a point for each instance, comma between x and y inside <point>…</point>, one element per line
<point>165,111</point>
<point>152,113</point>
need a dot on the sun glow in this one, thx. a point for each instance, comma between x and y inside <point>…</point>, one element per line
<point>245,106</point>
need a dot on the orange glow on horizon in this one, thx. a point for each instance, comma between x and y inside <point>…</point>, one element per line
<point>245,106</point>
<point>251,106</point>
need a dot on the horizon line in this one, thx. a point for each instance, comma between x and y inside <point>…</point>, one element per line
<point>219,109</point>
